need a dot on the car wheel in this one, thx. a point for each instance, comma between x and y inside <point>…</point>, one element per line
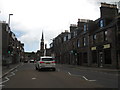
<point>36,68</point>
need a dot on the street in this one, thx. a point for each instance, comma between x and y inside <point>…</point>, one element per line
<point>64,77</point>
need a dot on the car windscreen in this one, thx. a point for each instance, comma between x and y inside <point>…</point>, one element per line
<point>47,59</point>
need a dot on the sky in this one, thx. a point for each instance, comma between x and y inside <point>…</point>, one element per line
<point>32,17</point>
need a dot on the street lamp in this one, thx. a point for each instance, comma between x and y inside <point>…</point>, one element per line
<point>9,19</point>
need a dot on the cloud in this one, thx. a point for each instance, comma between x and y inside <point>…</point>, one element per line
<point>31,17</point>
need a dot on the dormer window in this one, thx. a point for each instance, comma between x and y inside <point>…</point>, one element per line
<point>69,36</point>
<point>101,23</point>
<point>75,33</point>
<point>65,38</point>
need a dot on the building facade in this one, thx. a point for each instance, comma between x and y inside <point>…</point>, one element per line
<point>91,43</point>
<point>12,49</point>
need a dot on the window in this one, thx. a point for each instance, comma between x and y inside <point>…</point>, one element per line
<point>101,23</point>
<point>69,36</point>
<point>85,28</point>
<point>78,43</point>
<point>84,41</point>
<point>105,35</point>
<point>65,38</point>
<point>75,33</point>
<point>94,37</point>
<point>51,45</point>
<point>47,59</point>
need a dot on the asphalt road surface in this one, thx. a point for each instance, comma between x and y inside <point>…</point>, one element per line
<point>64,77</point>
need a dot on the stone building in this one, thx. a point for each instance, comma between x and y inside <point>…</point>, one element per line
<point>91,43</point>
<point>12,49</point>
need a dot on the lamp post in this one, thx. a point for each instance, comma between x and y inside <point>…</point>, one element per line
<point>9,19</point>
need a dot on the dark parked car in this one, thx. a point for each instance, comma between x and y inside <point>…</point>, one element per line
<point>26,61</point>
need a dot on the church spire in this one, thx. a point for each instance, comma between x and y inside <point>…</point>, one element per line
<point>42,42</point>
<point>42,36</point>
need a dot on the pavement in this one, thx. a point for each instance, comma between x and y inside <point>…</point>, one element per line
<point>98,69</point>
<point>6,70</point>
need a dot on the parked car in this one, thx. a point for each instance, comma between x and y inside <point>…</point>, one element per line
<point>45,62</point>
<point>31,61</point>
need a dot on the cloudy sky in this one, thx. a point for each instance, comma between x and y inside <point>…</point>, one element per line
<point>31,17</point>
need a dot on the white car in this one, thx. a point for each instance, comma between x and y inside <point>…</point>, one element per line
<point>45,62</point>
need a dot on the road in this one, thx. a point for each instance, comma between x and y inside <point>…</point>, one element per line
<point>64,77</point>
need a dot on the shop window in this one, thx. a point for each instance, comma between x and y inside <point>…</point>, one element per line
<point>107,54</point>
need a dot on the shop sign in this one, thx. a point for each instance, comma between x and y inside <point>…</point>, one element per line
<point>93,48</point>
<point>107,46</point>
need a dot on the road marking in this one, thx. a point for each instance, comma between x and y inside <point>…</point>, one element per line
<point>10,70</point>
<point>7,79</point>
<point>81,76</point>
<point>85,78</point>
<point>2,85</point>
<point>69,73</point>
<point>33,78</point>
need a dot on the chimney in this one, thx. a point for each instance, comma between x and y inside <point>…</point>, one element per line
<point>78,23</point>
<point>73,27</point>
<point>108,10</point>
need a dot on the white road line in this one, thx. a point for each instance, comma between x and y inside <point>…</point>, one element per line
<point>7,79</point>
<point>81,76</point>
<point>33,78</point>
<point>10,70</point>
<point>69,73</point>
<point>85,78</point>
<point>13,73</point>
<point>2,85</point>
